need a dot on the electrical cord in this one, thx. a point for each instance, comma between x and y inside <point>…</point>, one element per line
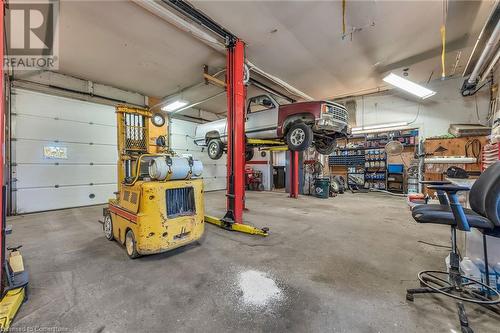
<point>387,192</point>
<point>436,245</point>
<point>475,146</point>
<point>418,113</point>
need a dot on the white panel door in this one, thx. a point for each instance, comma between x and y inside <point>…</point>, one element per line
<point>84,173</point>
<point>182,139</point>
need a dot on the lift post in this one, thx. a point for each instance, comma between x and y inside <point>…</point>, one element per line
<point>233,219</point>
<point>235,60</point>
<point>294,174</point>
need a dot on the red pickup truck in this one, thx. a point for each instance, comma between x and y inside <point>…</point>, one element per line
<point>300,125</point>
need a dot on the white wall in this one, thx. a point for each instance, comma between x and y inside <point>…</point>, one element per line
<point>214,172</point>
<point>436,113</point>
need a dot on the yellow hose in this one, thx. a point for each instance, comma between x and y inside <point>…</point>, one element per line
<point>443,53</point>
<point>343,17</point>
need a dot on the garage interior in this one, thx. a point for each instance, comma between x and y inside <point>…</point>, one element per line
<point>262,166</point>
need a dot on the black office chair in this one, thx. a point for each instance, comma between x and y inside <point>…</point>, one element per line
<point>484,215</point>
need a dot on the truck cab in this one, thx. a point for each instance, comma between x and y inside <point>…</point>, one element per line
<point>300,125</point>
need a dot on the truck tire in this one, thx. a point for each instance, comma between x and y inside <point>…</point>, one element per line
<point>335,186</point>
<point>325,146</point>
<point>248,154</point>
<point>215,149</point>
<point>299,137</point>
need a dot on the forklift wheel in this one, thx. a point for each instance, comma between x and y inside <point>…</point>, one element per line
<point>107,227</point>
<point>130,245</point>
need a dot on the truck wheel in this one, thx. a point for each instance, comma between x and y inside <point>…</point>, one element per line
<point>299,137</point>
<point>215,149</point>
<point>248,154</point>
<point>325,146</point>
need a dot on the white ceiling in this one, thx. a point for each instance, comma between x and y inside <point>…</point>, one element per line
<point>308,51</point>
<point>121,44</point>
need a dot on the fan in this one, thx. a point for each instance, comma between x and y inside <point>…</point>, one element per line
<point>394,148</point>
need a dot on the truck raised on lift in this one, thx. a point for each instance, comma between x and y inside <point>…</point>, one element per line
<point>300,125</point>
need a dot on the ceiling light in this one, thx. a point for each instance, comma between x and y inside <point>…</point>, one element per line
<point>379,126</point>
<point>409,86</point>
<point>174,105</point>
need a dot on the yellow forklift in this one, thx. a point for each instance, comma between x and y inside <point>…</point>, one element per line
<point>159,204</point>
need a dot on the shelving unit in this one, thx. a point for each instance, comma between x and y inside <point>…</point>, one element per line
<point>379,140</point>
<point>375,168</point>
<point>395,179</point>
<point>353,160</point>
<point>363,156</point>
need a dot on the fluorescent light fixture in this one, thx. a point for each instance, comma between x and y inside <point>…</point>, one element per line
<point>379,126</point>
<point>175,105</point>
<point>409,86</point>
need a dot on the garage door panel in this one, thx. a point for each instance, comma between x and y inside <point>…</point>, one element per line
<point>39,175</point>
<point>29,127</point>
<point>180,141</point>
<point>214,171</point>
<point>213,184</point>
<point>87,131</point>
<point>41,199</point>
<point>38,104</point>
<point>28,151</point>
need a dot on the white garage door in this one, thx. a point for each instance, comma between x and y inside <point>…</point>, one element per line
<point>214,172</point>
<point>64,152</point>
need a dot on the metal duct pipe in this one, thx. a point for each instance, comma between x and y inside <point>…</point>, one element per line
<point>172,18</point>
<point>490,66</point>
<point>480,36</point>
<point>488,49</point>
<point>292,90</point>
<point>178,21</point>
<point>199,102</point>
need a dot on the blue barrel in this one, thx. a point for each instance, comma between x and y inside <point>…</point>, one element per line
<point>322,188</point>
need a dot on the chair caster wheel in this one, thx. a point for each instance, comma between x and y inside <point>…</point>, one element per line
<point>409,297</point>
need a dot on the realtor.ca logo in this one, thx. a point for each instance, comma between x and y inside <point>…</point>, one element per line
<point>32,35</point>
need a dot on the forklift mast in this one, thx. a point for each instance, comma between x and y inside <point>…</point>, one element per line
<point>132,133</point>
<point>136,136</point>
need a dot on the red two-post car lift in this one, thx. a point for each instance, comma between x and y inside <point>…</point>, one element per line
<point>236,94</point>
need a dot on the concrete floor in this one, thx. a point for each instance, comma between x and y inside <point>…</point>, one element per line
<point>336,265</point>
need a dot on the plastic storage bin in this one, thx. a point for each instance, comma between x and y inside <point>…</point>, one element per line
<point>395,168</point>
